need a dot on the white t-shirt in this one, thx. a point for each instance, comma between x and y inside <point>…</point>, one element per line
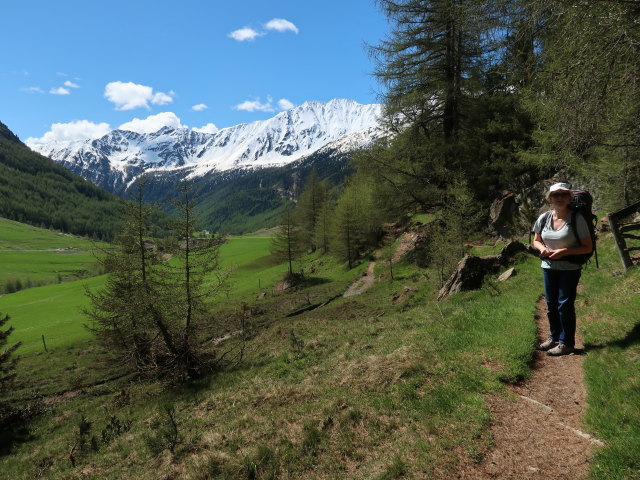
<point>561,238</point>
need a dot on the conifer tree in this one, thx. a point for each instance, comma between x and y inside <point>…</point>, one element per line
<point>128,315</point>
<point>308,209</point>
<point>192,279</point>
<point>434,67</point>
<point>589,120</point>
<point>323,220</point>
<point>7,377</point>
<point>287,245</point>
<point>356,220</point>
<point>7,364</point>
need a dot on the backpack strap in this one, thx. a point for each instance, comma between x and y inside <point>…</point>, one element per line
<point>574,226</point>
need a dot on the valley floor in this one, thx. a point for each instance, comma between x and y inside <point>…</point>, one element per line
<point>381,385</point>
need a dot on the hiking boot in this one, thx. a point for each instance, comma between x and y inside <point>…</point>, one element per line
<point>547,344</point>
<point>560,349</point>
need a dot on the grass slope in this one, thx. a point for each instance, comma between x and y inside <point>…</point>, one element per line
<point>363,388</point>
<point>36,256</point>
<point>610,324</point>
<point>388,384</point>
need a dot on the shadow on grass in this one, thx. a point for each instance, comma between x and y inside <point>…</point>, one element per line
<point>312,281</point>
<point>14,427</point>
<point>631,339</point>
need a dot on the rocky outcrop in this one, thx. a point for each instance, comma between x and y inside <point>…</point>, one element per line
<point>503,214</point>
<point>471,270</point>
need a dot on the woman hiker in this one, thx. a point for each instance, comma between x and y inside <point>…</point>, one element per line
<point>555,239</point>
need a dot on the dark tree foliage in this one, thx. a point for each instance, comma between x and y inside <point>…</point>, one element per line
<point>590,118</point>
<point>151,310</point>
<point>35,190</point>
<point>7,363</point>
<point>7,376</point>
<point>450,99</point>
<point>308,210</point>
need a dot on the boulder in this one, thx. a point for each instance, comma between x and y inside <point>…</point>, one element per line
<point>502,214</point>
<point>471,270</point>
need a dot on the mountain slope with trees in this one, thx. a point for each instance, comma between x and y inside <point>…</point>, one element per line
<point>35,190</point>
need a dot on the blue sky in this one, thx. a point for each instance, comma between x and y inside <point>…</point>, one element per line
<point>73,68</point>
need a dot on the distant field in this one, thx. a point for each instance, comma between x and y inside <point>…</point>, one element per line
<point>19,236</point>
<point>36,256</point>
<point>55,310</point>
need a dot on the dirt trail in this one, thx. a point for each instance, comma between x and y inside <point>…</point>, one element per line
<point>361,284</point>
<point>540,434</point>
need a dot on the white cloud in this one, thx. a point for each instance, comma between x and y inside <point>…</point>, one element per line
<point>76,130</point>
<point>129,95</point>
<point>281,25</point>
<point>70,84</point>
<point>208,128</point>
<point>245,34</point>
<point>284,104</point>
<point>33,90</point>
<point>59,91</point>
<point>255,105</point>
<point>161,99</point>
<point>152,123</point>
<point>199,107</point>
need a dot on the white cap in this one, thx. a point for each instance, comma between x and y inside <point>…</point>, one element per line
<point>559,187</point>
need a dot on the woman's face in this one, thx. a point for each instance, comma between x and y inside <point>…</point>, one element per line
<point>560,198</point>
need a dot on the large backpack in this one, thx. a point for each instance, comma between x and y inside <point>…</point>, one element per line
<point>582,203</point>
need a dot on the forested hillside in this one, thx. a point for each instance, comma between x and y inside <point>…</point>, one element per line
<point>487,97</point>
<point>35,190</point>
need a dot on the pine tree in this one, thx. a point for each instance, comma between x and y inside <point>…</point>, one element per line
<point>308,208</point>
<point>128,313</point>
<point>287,245</point>
<point>7,368</point>
<point>356,220</point>
<point>192,279</point>
<point>323,220</point>
<point>434,66</point>
<point>589,115</point>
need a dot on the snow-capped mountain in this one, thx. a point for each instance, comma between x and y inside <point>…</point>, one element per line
<point>115,160</point>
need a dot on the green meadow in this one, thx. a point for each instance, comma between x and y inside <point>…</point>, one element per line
<point>386,384</point>
<point>35,256</point>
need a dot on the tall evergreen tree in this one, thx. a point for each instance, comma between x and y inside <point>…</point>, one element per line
<point>308,209</point>
<point>287,245</point>
<point>127,315</point>
<point>323,220</point>
<point>7,363</point>
<point>7,377</point>
<point>356,220</point>
<point>192,279</point>
<point>434,66</point>
<point>591,109</point>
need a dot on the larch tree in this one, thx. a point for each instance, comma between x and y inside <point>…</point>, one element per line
<point>433,67</point>
<point>7,363</point>
<point>287,245</point>
<point>8,411</point>
<point>192,279</point>
<point>127,315</point>
<point>589,83</point>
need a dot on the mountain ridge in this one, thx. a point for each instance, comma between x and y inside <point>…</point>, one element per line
<point>115,160</point>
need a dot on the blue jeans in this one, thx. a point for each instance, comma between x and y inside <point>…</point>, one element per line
<point>560,291</point>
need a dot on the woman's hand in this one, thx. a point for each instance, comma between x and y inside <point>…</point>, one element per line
<point>545,252</point>
<point>558,254</point>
